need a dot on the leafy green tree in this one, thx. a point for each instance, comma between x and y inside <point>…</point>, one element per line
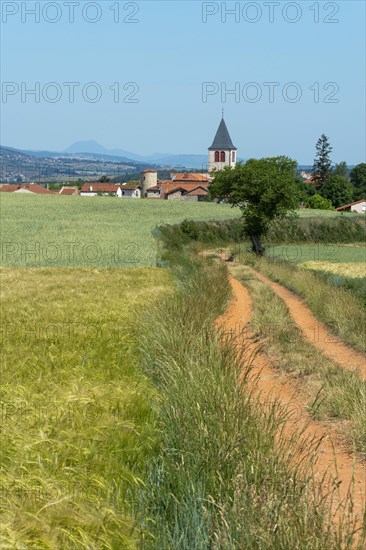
<point>339,190</point>
<point>80,182</point>
<point>54,187</point>
<point>317,202</point>
<point>341,169</point>
<point>306,189</point>
<point>358,178</point>
<point>104,179</point>
<point>322,163</point>
<point>264,189</point>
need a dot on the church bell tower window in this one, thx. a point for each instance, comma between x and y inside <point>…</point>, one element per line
<point>217,156</point>
<point>222,156</point>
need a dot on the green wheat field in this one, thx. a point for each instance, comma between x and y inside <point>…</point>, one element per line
<point>84,231</point>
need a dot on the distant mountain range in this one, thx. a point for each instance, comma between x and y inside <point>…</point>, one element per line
<point>163,159</point>
<point>91,150</point>
<point>87,161</point>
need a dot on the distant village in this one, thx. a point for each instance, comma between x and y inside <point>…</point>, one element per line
<point>182,186</point>
<point>187,186</point>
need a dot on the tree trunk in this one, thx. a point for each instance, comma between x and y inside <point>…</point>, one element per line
<point>256,245</point>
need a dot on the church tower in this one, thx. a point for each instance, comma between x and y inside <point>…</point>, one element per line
<point>222,151</point>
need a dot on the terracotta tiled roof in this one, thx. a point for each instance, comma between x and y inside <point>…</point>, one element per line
<point>189,177</point>
<point>107,187</point>
<point>200,191</point>
<point>149,171</point>
<point>8,188</point>
<point>130,187</point>
<point>189,186</point>
<point>31,187</point>
<point>350,204</point>
<point>175,190</point>
<point>100,187</point>
<point>69,191</point>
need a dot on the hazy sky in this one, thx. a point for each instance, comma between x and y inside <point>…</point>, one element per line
<point>140,74</point>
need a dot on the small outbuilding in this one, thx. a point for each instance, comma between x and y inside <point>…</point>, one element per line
<point>123,191</point>
<point>357,206</point>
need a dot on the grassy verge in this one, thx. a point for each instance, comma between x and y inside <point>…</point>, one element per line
<point>221,481</point>
<point>77,416</point>
<point>341,309</point>
<point>333,393</point>
<point>334,230</point>
<point>339,277</point>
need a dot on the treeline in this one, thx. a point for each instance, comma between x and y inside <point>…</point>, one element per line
<point>331,185</point>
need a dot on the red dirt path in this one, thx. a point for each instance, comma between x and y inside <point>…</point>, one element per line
<point>331,461</point>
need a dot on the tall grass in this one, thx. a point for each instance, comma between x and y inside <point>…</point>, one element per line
<point>354,284</point>
<point>225,479</point>
<point>77,416</point>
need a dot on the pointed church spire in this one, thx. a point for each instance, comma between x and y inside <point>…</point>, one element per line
<point>222,138</point>
<point>222,152</point>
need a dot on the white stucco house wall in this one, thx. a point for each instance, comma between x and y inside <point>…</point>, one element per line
<point>129,192</point>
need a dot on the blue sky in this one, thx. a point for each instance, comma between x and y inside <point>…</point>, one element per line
<point>169,53</point>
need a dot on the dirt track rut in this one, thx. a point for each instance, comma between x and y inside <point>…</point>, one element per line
<point>331,461</point>
<point>316,332</point>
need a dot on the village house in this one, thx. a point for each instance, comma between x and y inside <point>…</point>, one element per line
<point>199,193</point>
<point>93,189</point>
<point>358,206</point>
<point>191,186</point>
<point>175,190</point>
<point>153,192</point>
<point>129,191</point>
<point>179,190</point>
<point>181,187</point>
